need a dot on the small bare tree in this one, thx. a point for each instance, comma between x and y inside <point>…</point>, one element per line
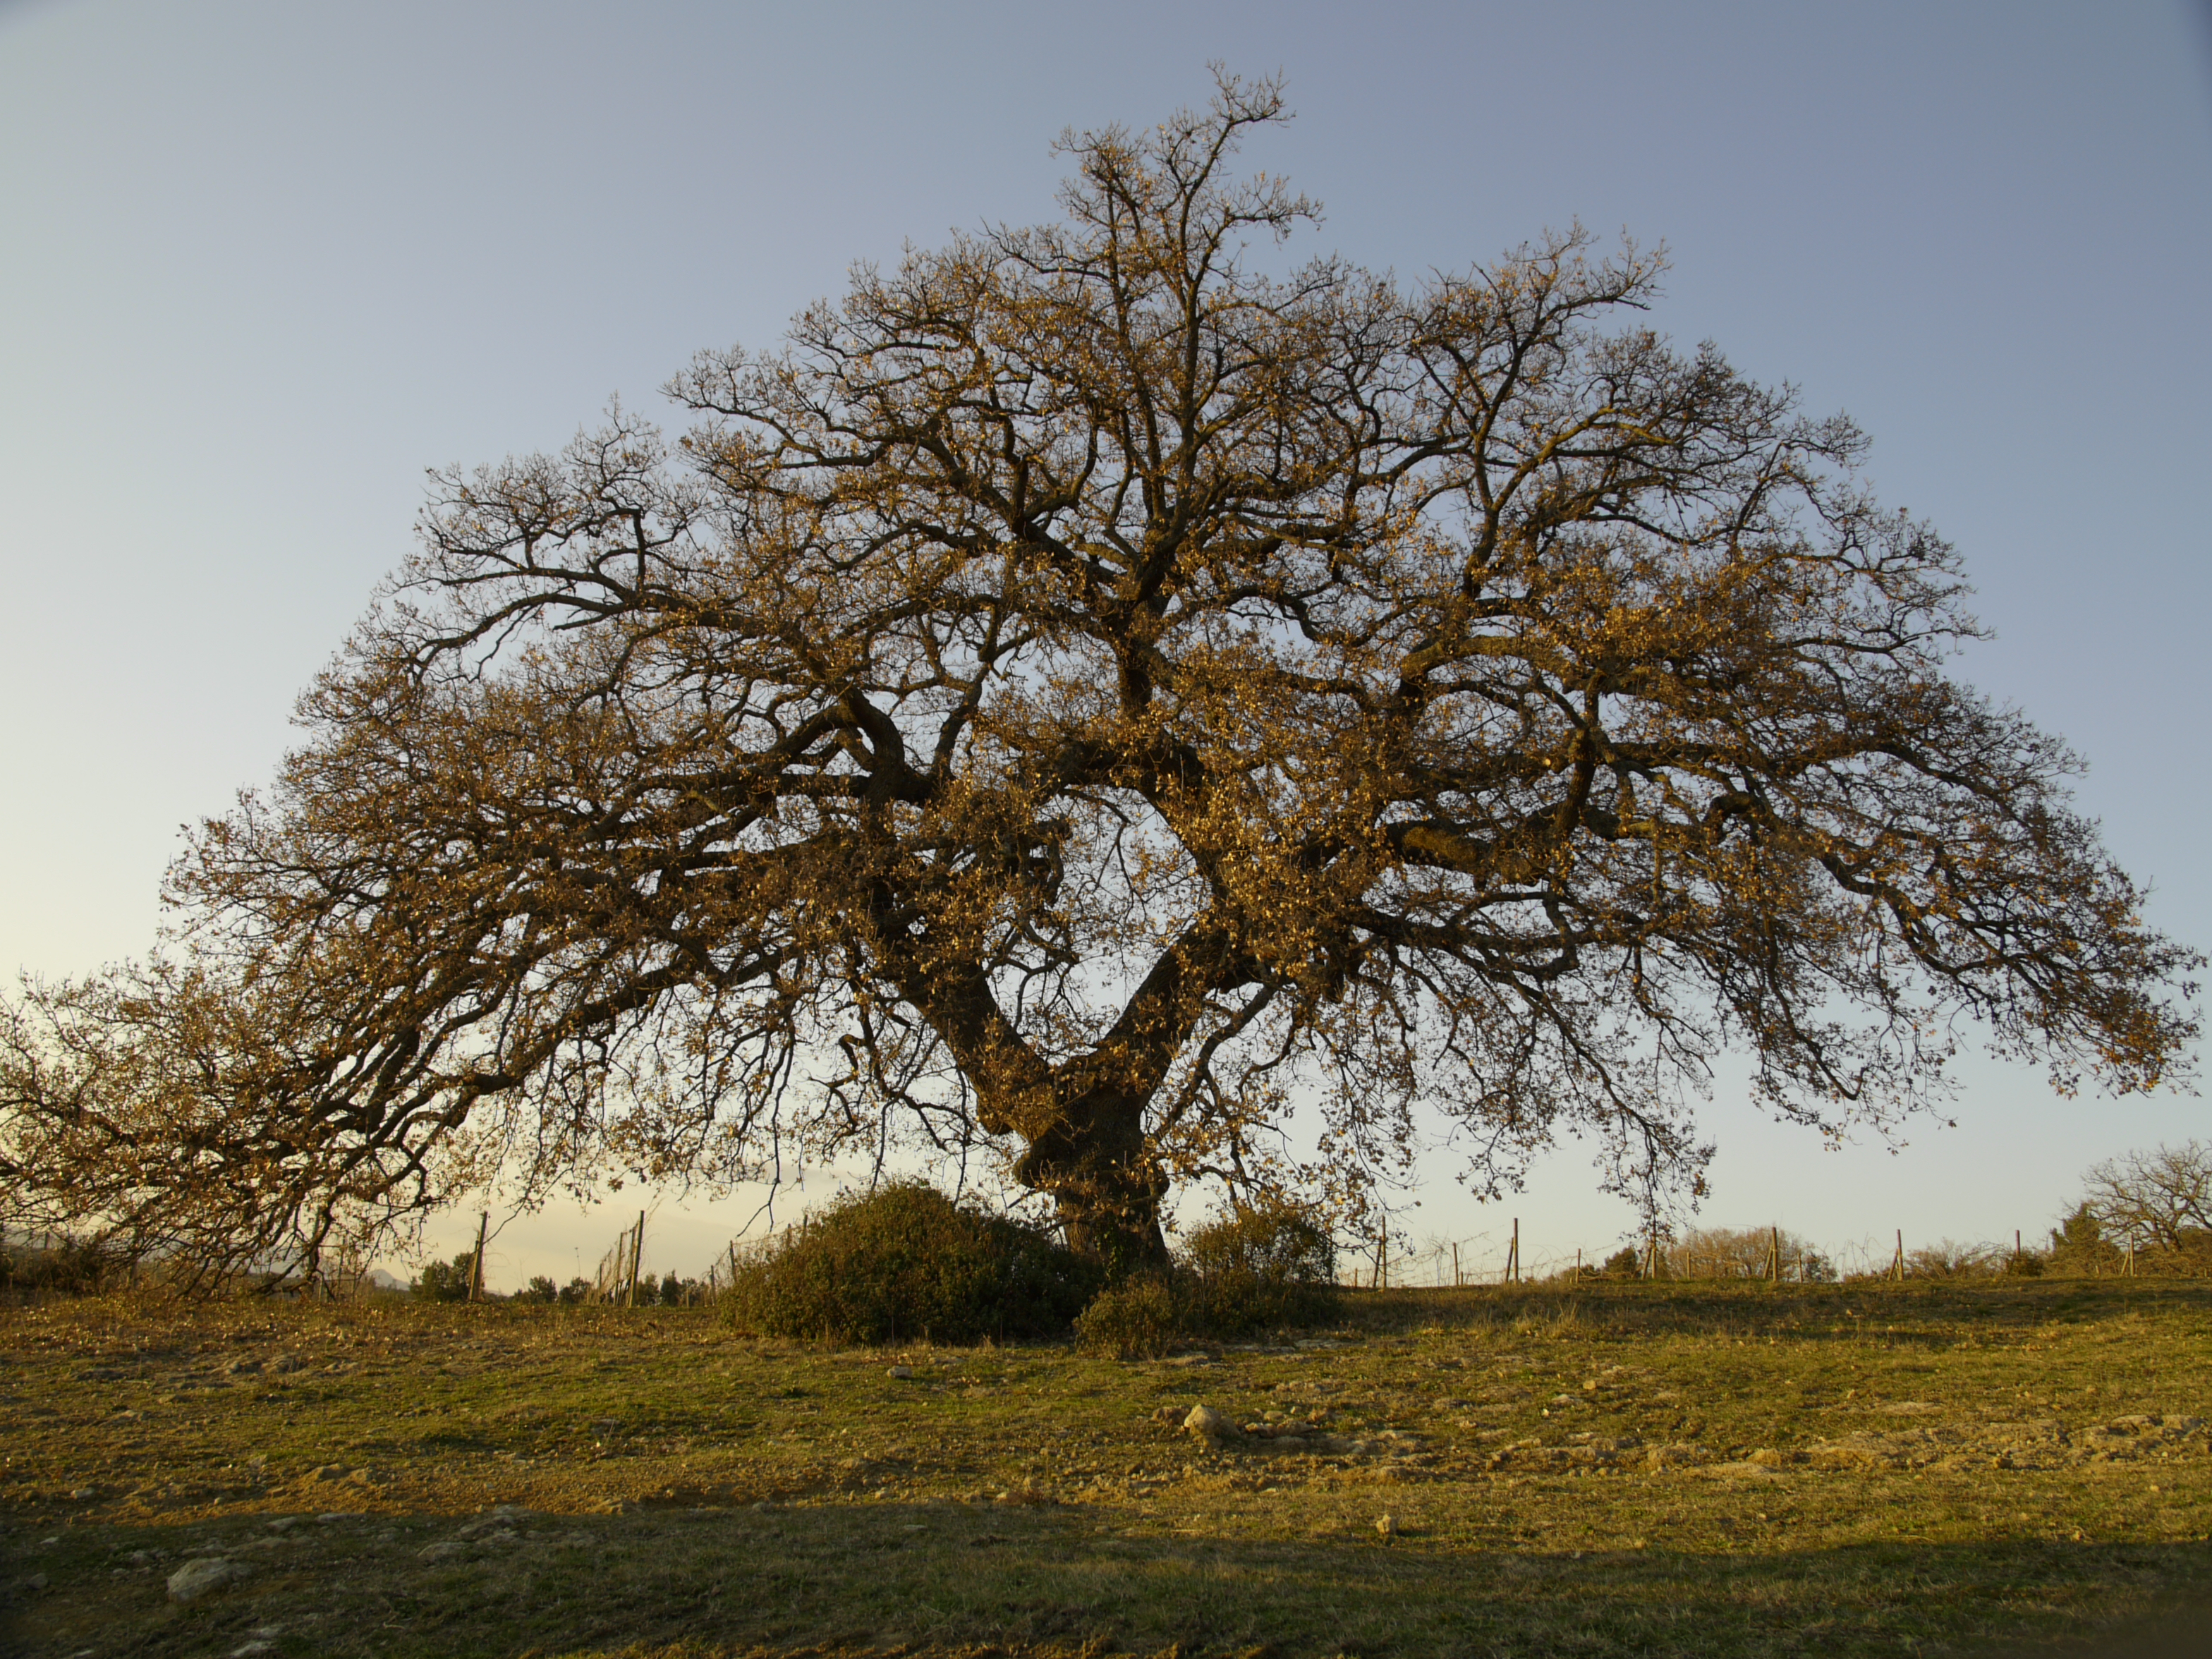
<point>1087,691</point>
<point>1743,1253</point>
<point>2158,1200</point>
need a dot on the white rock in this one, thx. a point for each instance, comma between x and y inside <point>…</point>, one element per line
<point>1386,1525</point>
<point>1207,1423</point>
<point>196,1578</point>
<point>439,1552</point>
<point>901,1372</point>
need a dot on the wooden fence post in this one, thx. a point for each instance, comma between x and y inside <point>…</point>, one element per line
<point>636,1253</point>
<point>476,1265</point>
<point>1513,1254</point>
<point>1897,1266</point>
<point>1774,1255</point>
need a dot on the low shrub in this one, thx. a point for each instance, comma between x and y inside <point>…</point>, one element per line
<point>62,1266</point>
<point>1263,1267</point>
<point>1266,1266</point>
<point>1140,1318</point>
<point>906,1263</point>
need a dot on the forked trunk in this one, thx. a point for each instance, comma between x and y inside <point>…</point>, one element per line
<point>1106,1183</point>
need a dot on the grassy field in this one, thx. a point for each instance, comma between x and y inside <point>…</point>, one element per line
<point>1628,1468</point>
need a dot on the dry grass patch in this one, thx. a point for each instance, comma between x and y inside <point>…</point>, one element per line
<point>1823,1470</point>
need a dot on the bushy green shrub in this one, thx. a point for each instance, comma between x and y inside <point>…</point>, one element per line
<point>1268,1264</point>
<point>1140,1318</point>
<point>1263,1267</point>
<point>907,1263</point>
<point>60,1266</point>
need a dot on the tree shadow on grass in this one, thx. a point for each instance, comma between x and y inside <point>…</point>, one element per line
<point>868,1578</point>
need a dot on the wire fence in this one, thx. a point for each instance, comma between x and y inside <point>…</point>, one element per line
<point>1504,1255</point>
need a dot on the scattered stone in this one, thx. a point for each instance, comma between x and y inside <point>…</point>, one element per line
<point>285,1522</point>
<point>36,1583</point>
<point>246,1649</point>
<point>1207,1423</point>
<point>363,1477</point>
<point>79,1494</point>
<point>325,1471</point>
<point>443,1550</point>
<point>334,1516</point>
<point>141,1558</point>
<point>1386,1525</point>
<point>902,1373</point>
<point>197,1579</point>
<point>1187,1359</point>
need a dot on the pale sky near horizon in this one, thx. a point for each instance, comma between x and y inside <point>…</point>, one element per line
<point>265,264</point>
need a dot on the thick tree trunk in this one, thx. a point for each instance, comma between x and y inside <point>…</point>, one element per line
<point>1108,1187</point>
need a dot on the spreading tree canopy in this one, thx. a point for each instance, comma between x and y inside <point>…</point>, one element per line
<point>1093,687</point>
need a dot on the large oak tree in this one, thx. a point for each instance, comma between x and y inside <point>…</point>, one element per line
<point>1096,685</point>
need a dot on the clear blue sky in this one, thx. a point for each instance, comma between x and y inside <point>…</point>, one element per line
<point>264,264</point>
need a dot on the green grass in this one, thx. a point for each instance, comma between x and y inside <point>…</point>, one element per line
<point>1623,1469</point>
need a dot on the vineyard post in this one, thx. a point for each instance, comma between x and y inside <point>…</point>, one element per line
<point>476,1262</point>
<point>1456,1277</point>
<point>1897,1264</point>
<point>1774,1255</point>
<point>637,1252</point>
